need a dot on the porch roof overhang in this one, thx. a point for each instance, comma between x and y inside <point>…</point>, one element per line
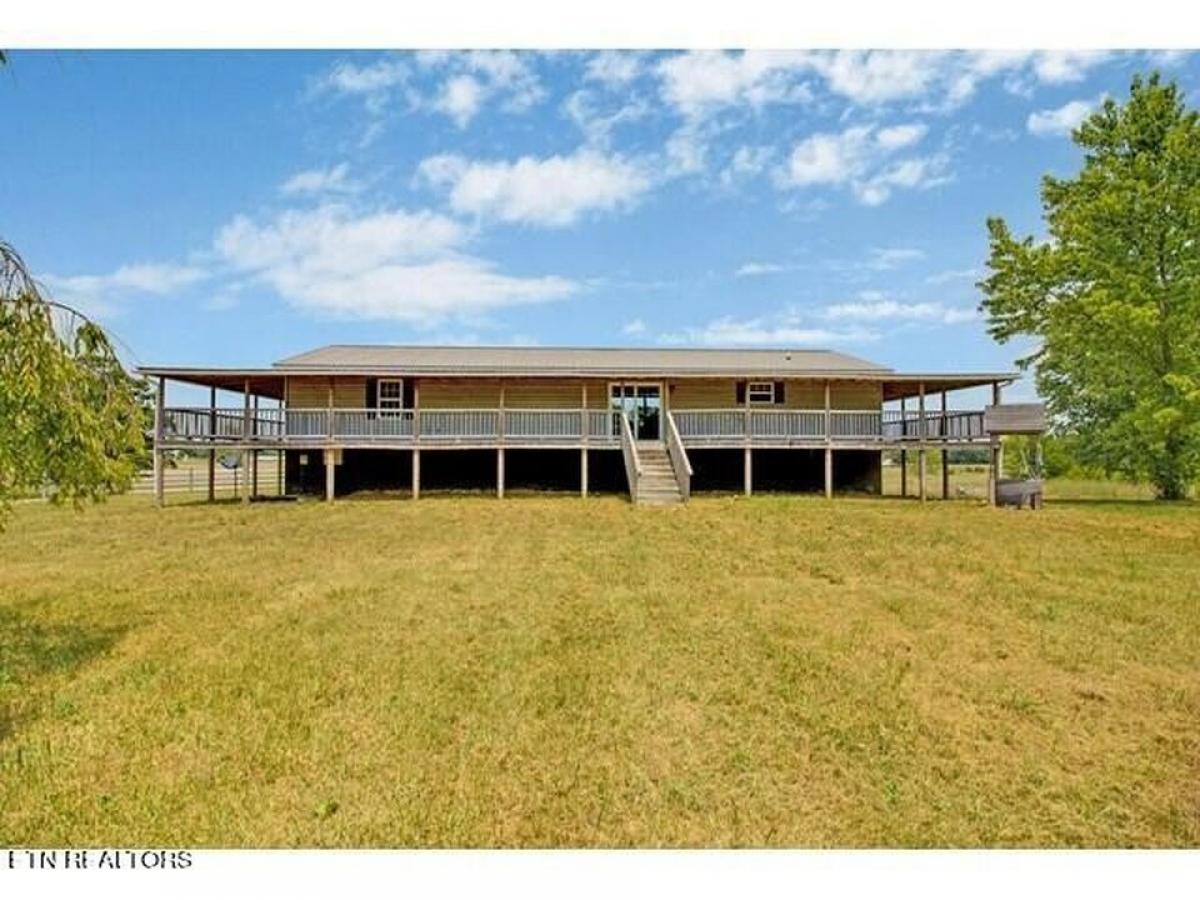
<point>270,382</point>
<point>262,382</point>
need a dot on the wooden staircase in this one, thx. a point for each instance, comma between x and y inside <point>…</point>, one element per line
<point>656,484</point>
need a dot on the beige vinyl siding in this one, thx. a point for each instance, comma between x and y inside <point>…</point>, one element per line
<point>810,394</point>
<point>803,394</point>
<point>543,394</point>
<point>597,394</point>
<point>349,392</point>
<point>797,394</point>
<point>459,393</point>
<point>856,395</point>
<point>702,393</point>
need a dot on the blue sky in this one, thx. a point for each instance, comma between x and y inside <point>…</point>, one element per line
<point>235,208</point>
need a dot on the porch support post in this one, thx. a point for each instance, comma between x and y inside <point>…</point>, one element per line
<point>583,452</point>
<point>999,441</point>
<point>330,470</point>
<point>921,434</point>
<point>945,452</point>
<point>500,446</point>
<point>748,461</point>
<point>416,454</point>
<point>280,471</point>
<point>283,431</point>
<point>160,402</point>
<point>212,451</point>
<point>903,452</point>
<point>828,444</point>
<point>246,433</point>
<point>997,459</point>
<point>254,456</point>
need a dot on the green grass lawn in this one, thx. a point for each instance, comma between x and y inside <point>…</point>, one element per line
<point>463,671</point>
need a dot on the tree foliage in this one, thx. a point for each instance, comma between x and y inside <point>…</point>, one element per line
<point>1112,295</point>
<point>72,420</point>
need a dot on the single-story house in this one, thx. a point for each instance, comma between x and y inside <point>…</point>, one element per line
<point>657,422</point>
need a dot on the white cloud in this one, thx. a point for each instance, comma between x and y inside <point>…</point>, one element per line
<point>871,308</point>
<point>829,158</point>
<point>597,124</point>
<point>700,82</point>
<point>550,192</point>
<point>747,161</point>
<point>786,329</point>
<point>921,172</point>
<point>100,294</point>
<point>463,83</point>
<point>381,75</point>
<point>950,275</point>
<point>475,77</point>
<point>760,268</point>
<point>898,136</point>
<point>221,301</point>
<point>1063,66</point>
<point>891,257</point>
<point>860,321</point>
<point>687,150</point>
<point>320,181</point>
<point>871,77</point>
<point>1061,121</point>
<point>634,327</point>
<point>394,264</point>
<point>859,157</point>
<point>613,67</point>
<point>460,99</point>
<point>1168,59</point>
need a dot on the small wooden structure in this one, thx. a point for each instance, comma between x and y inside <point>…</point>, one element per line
<point>1013,418</point>
<point>1019,491</point>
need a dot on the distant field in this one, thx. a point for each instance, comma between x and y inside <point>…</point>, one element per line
<point>971,482</point>
<point>462,671</point>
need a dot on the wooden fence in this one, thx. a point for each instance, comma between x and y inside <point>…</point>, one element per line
<point>190,476</point>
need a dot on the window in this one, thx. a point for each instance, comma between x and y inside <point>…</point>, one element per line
<point>761,392</point>
<point>389,396</point>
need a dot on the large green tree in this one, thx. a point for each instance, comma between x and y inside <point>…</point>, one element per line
<point>1112,293</point>
<point>72,420</point>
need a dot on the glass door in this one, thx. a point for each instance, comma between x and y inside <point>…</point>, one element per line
<point>642,404</point>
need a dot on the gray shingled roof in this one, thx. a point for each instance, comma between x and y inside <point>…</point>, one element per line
<point>575,360</point>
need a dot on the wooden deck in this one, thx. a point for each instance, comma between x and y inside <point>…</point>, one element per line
<point>235,428</point>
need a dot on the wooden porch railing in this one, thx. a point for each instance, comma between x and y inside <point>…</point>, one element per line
<point>629,450</point>
<point>201,424</point>
<point>693,427</point>
<point>719,426</point>
<point>679,458</point>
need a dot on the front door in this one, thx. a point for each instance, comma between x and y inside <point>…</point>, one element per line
<point>642,404</point>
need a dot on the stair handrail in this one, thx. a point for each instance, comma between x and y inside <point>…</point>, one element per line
<point>633,464</point>
<point>680,463</point>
